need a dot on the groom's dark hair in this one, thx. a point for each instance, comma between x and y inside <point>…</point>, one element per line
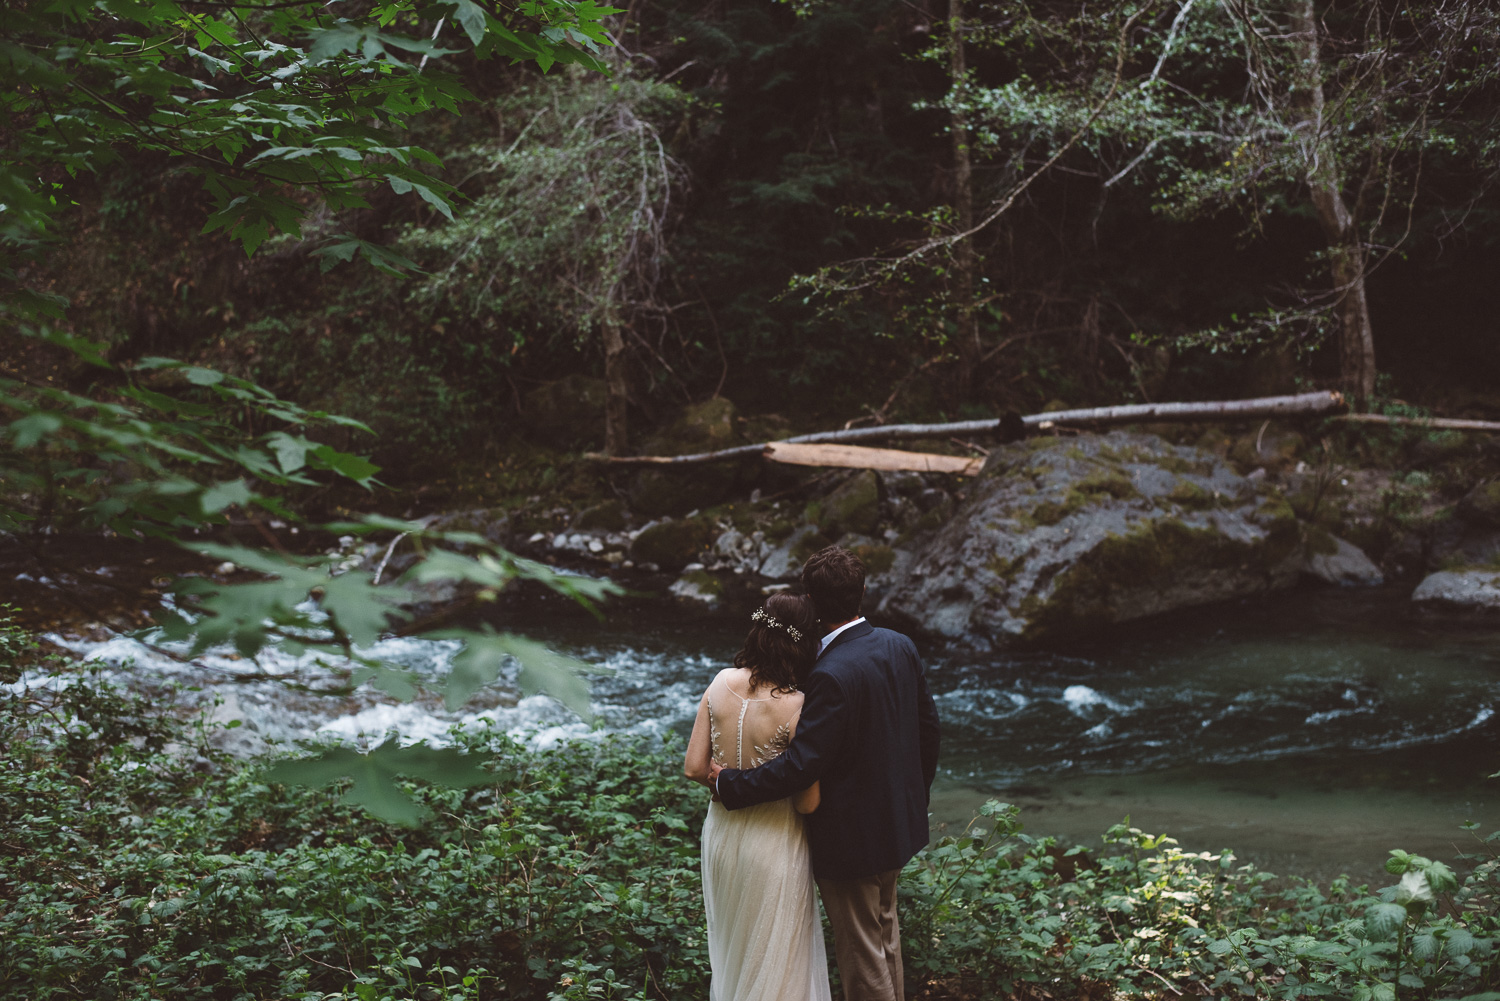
<point>835,580</point>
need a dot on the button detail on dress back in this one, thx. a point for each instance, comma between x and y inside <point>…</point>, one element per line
<point>739,735</point>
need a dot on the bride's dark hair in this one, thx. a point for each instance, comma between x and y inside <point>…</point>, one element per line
<point>771,654</point>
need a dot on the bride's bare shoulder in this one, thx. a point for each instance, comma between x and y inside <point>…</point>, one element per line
<point>792,700</point>
<point>735,677</point>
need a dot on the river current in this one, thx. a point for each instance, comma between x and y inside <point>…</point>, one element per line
<point>1311,731</point>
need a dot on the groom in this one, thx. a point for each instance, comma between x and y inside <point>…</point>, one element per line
<point>869,734</point>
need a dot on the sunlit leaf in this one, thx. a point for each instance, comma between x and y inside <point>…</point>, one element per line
<point>485,655</point>
<point>27,431</point>
<point>375,775</point>
<point>222,495</point>
<point>361,610</point>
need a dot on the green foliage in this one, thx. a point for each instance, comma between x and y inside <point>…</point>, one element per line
<point>573,873</point>
<point>263,101</point>
<point>313,605</point>
<point>1008,910</point>
<point>135,874</point>
<point>155,464</point>
<point>164,454</point>
<point>1205,106</point>
<point>564,233</point>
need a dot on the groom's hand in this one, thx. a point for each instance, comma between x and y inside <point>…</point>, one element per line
<point>713,777</point>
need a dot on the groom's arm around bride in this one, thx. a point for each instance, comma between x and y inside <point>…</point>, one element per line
<point>869,734</point>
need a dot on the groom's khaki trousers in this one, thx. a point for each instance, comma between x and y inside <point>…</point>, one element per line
<point>866,936</point>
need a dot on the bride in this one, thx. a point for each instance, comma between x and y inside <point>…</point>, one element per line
<point>765,940</point>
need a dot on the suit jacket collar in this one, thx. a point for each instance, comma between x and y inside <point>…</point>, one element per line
<point>853,632</point>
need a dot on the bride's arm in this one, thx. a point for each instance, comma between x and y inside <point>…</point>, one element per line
<point>808,799</point>
<point>695,764</point>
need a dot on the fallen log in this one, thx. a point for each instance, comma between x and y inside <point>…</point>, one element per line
<point>860,457</point>
<point>1316,404</point>
<point>1447,423</point>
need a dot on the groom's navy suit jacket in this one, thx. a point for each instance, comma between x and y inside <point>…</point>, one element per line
<point>869,733</point>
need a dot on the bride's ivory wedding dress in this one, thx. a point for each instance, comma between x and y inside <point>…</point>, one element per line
<point>765,939</point>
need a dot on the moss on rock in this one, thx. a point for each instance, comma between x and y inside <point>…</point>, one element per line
<point>1052,512</point>
<point>1091,531</point>
<point>671,544</point>
<point>809,544</point>
<point>853,507</point>
<point>608,516</point>
<point>1109,481</point>
<point>1092,590</point>
<point>1482,505</point>
<point>1191,495</point>
<point>877,558</point>
<point>698,588</point>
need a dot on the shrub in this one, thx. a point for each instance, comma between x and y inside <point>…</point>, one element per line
<point>136,861</point>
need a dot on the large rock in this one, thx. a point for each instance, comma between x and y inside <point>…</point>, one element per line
<point>1458,543</point>
<point>672,545</point>
<point>785,560</point>
<point>1481,506</point>
<point>569,412</point>
<point>1466,592</point>
<point>1334,561</point>
<point>702,427</point>
<point>853,507</point>
<point>1059,534</point>
<point>698,589</point>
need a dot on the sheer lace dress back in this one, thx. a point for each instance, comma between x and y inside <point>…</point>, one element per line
<point>749,728</point>
<point>765,940</point>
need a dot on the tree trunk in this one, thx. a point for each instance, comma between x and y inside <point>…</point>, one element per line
<point>1340,227</point>
<point>616,437</point>
<point>965,260</point>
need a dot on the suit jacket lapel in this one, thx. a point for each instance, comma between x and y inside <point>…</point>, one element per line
<point>861,629</point>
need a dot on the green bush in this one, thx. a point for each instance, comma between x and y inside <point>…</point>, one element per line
<point>138,862</point>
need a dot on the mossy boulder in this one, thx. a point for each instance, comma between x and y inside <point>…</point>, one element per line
<point>853,507</point>
<point>1061,534</point>
<point>698,589</point>
<point>877,557</point>
<point>1481,506</point>
<point>784,562</point>
<point>672,544</point>
<point>608,516</point>
<point>567,413</point>
<point>702,427</point>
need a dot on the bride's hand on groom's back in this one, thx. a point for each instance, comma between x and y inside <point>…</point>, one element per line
<point>714,768</point>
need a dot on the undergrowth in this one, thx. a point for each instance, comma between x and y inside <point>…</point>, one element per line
<point>137,862</point>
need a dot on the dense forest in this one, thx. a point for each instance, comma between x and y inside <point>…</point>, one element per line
<point>833,211</point>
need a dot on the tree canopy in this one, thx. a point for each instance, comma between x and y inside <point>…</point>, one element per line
<point>278,109</point>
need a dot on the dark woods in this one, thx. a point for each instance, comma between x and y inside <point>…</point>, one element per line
<point>871,210</point>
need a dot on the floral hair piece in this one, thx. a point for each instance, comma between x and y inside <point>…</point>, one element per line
<point>772,622</point>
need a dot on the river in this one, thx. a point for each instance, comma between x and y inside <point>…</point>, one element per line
<point>1311,731</point>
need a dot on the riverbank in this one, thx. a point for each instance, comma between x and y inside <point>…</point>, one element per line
<point>1311,730</point>
<point>141,861</point>
<point>1057,534</point>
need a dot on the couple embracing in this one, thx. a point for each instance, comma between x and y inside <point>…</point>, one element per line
<point>820,744</point>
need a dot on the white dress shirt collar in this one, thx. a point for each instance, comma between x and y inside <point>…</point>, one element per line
<point>834,635</point>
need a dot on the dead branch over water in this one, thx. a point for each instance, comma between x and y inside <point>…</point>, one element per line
<point>1317,404</point>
